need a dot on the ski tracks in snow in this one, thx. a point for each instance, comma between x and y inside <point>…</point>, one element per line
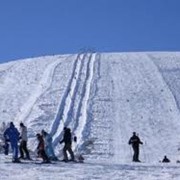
<point>72,110</point>
<point>41,88</point>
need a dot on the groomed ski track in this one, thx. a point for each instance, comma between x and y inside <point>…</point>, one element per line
<point>73,108</point>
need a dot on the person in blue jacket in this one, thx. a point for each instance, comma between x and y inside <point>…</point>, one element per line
<point>12,135</point>
<point>48,145</point>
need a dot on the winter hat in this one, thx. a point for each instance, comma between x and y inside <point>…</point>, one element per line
<point>44,132</point>
<point>11,124</point>
<point>38,135</point>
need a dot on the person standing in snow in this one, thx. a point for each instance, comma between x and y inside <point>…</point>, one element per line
<point>135,142</point>
<point>48,145</point>
<point>2,129</point>
<point>67,139</point>
<point>11,134</point>
<point>41,149</point>
<point>23,143</point>
<point>6,143</point>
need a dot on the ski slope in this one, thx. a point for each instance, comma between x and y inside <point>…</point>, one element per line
<point>103,98</point>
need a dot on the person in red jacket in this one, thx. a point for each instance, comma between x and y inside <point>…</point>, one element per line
<point>41,149</point>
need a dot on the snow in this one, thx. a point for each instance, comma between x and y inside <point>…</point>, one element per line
<point>103,98</point>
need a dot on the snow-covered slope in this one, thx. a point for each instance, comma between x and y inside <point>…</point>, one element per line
<point>103,98</point>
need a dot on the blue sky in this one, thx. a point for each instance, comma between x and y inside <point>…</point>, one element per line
<point>46,27</point>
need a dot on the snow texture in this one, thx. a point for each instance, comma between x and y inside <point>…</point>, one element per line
<point>103,98</point>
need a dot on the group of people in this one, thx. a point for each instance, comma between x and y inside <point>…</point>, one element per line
<point>44,148</point>
<point>135,142</point>
<point>13,136</point>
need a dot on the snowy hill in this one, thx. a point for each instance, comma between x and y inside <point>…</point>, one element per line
<point>103,98</point>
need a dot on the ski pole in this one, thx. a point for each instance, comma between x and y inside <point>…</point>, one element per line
<point>144,153</point>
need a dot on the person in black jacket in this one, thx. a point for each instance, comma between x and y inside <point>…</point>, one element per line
<point>135,141</point>
<point>67,139</point>
<point>165,160</point>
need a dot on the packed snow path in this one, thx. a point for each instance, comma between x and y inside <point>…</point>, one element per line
<point>88,171</point>
<point>73,109</point>
<point>103,98</point>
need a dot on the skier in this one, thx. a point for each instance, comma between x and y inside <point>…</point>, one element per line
<point>11,134</point>
<point>67,139</point>
<point>2,129</point>
<point>40,148</point>
<point>23,143</point>
<point>135,141</point>
<point>165,160</point>
<point>6,143</point>
<point>48,146</point>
